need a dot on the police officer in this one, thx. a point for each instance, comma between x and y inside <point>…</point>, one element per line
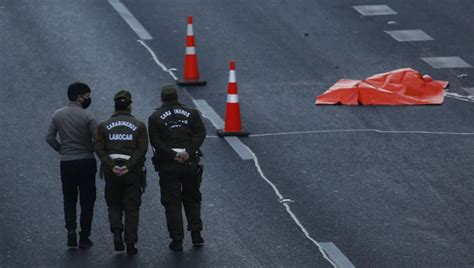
<point>121,145</point>
<point>176,132</point>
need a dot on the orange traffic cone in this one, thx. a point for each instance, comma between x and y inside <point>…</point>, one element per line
<point>191,70</point>
<point>233,125</point>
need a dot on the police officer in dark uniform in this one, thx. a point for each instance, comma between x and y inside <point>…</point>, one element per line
<point>176,132</point>
<point>121,145</point>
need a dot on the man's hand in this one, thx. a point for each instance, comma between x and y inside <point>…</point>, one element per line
<point>182,157</point>
<point>124,171</point>
<point>120,171</point>
<point>117,170</point>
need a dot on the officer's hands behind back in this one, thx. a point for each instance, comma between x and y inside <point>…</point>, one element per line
<point>120,171</point>
<point>182,157</point>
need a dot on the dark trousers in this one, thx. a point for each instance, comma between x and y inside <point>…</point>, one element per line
<point>78,177</point>
<point>123,197</point>
<point>180,187</point>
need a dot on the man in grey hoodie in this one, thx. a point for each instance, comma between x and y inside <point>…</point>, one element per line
<point>77,129</point>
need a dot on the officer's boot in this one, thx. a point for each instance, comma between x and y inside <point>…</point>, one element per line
<point>71,238</point>
<point>118,241</point>
<point>176,245</point>
<point>131,249</point>
<point>197,239</point>
<point>84,242</point>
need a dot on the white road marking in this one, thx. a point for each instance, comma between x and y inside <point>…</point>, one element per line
<point>218,123</point>
<point>374,10</point>
<point>409,35</point>
<point>446,62</point>
<point>157,61</point>
<point>336,255</point>
<point>457,96</point>
<point>206,110</point>
<point>209,113</point>
<point>130,19</point>
<point>288,208</point>
<point>239,147</point>
<point>363,130</point>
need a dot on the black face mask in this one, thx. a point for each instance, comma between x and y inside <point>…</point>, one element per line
<point>86,103</point>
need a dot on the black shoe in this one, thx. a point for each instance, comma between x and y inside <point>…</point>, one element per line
<point>176,245</point>
<point>71,239</point>
<point>118,241</point>
<point>131,249</point>
<point>197,239</point>
<point>85,243</point>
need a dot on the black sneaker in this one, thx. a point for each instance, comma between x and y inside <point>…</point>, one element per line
<point>197,239</point>
<point>118,241</point>
<point>85,243</point>
<point>71,239</point>
<point>176,245</point>
<point>131,249</point>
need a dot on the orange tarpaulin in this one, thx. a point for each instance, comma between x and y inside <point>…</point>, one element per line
<point>399,87</point>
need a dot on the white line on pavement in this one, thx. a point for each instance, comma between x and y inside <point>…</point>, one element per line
<point>234,141</point>
<point>239,147</point>
<point>446,62</point>
<point>209,113</point>
<point>287,206</point>
<point>459,96</point>
<point>130,19</point>
<point>374,10</point>
<point>218,123</point>
<point>363,130</point>
<point>157,61</point>
<point>409,35</point>
<point>339,258</point>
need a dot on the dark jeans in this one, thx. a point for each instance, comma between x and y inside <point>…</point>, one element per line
<point>79,176</point>
<point>180,187</point>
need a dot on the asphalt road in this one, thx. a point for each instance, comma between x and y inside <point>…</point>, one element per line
<point>385,199</point>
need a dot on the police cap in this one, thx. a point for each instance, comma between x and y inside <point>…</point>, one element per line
<point>168,92</point>
<point>123,96</point>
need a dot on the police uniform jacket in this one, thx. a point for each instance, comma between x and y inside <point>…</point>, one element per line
<point>122,138</point>
<point>175,125</point>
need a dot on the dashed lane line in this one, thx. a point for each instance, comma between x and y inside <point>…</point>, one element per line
<point>130,19</point>
<point>446,62</point>
<point>374,10</point>
<point>413,36</point>
<point>409,35</point>
<point>339,258</point>
<point>218,123</point>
